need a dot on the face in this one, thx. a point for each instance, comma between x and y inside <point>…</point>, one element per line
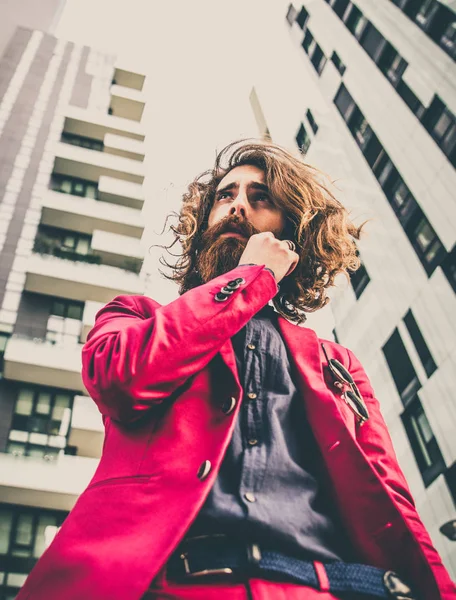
<point>243,193</point>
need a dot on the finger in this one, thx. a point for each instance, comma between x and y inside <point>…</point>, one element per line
<point>293,265</point>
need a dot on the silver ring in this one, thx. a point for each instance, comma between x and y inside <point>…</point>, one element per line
<point>291,245</point>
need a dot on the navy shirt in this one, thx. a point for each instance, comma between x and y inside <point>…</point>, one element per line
<point>267,489</point>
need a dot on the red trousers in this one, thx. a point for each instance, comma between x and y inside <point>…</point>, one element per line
<point>253,589</point>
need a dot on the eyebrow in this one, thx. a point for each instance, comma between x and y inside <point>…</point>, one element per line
<point>254,184</point>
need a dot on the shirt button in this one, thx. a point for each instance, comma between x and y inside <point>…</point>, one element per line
<point>250,497</point>
<point>204,469</point>
<point>251,395</point>
<point>251,346</point>
<point>253,442</point>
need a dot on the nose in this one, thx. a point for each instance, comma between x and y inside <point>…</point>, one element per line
<point>239,206</point>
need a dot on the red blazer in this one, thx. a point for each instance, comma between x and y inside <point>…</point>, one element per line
<point>148,367</point>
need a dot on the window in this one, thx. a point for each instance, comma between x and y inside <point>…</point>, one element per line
<point>65,321</point>
<point>401,198</point>
<point>427,245</point>
<point>24,535</point>
<point>410,99</point>
<point>449,268</point>
<point>373,151</point>
<point>4,337</point>
<point>448,40</point>
<point>291,14</point>
<point>426,11</point>
<point>308,39</point>
<point>359,280</point>
<point>344,103</point>
<point>441,124</point>
<point>84,142</point>
<point>335,58</point>
<point>401,368</point>
<point>318,59</point>
<point>391,64</point>
<point>302,18</point>
<point>41,422</point>
<point>65,244</point>
<point>312,122</point>
<point>424,445</point>
<point>450,478</point>
<point>302,139</point>
<point>372,41</point>
<point>360,128</point>
<point>420,344</point>
<point>355,21</point>
<point>76,187</point>
<point>336,339</point>
<point>339,7</point>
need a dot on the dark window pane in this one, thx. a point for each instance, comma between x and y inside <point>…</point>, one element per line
<point>308,39</point>
<point>335,58</point>
<point>359,280</point>
<point>339,7</point>
<point>401,367</point>
<point>344,102</point>
<point>312,122</point>
<point>303,139</point>
<point>422,440</point>
<point>420,343</point>
<point>372,41</point>
<point>75,311</point>
<point>449,268</point>
<point>410,99</point>
<point>373,151</point>
<point>355,21</point>
<point>58,308</point>
<point>302,18</point>
<point>448,40</point>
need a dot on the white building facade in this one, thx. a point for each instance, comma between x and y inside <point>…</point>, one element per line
<point>71,192</point>
<point>369,94</point>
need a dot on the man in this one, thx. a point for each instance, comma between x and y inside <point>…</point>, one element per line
<point>244,458</point>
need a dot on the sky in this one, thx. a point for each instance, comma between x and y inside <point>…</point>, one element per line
<point>201,58</point>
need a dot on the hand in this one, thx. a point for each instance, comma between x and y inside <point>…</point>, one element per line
<point>265,249</point>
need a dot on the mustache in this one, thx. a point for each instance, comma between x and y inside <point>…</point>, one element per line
<point>229,224</point>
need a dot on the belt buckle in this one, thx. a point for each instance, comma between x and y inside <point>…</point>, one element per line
<point>204,572</point>
<point>190,573</point>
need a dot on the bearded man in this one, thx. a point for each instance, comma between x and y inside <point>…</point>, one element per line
<point>244,457</point>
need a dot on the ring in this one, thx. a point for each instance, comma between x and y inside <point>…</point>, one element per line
<point>291,245</point>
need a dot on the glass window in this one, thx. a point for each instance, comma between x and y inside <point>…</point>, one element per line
<point>6,522</point>
<point>449,268</point>
<point>424,234</point>
<point>75,311</point>
<point>58,308</point>
<point>344,102</point>
<point>78,189</point>
<point>423,442</point>
<point>359,280</point>
<point>69,241</point>
<point>65,186</point>
<point>43,405</point>
<point>291,14</point>
<point>303,17</point>
<point>372,41</point>
<point>83,246</point>
<point>312,122</point>
<point>308,39</point>
<point>24,530</point>
<point>335,58</point>
<point>24,403</point>
<point>420,343</point>
<point>401,367</point>
<point>44,522</point>
<point>91,191</point>
<point>302,139</point>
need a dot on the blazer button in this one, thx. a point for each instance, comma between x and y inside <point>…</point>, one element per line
<point>227,290</point>
<point>219,297</point>
<point>235,283</point>
<point>229,405</point>
<point>204,469</point>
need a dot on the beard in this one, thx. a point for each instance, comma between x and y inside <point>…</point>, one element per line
<point>218,255</point>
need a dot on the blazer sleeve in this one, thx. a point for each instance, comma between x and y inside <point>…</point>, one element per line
<point>374,438</point>
<point>133,359</point>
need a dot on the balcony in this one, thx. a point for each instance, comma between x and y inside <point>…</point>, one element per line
<point>85,215</point>
<point>118,250</point>
<point>117,191</point>
<point>87,430</point>
<point>41,362</point>
<point>88,317</point>
<point>55,276</point>
<point>82,163</point>
<point>129,79</point>
<point>121,146</point>
<point>49,484</point>
<point>126,102</point>
<point>96,124</point>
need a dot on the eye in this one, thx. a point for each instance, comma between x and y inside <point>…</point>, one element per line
<point>222,196</point>
<point>262,198</point>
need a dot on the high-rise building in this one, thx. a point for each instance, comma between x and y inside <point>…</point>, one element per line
<point>71,175</point>
<point>369,95</point>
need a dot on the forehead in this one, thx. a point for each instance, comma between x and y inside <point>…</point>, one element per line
<point>243,174</point>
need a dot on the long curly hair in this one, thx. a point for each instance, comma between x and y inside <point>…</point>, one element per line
<point>315,220</point>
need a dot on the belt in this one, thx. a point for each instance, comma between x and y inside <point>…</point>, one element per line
<point>206,556</point>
